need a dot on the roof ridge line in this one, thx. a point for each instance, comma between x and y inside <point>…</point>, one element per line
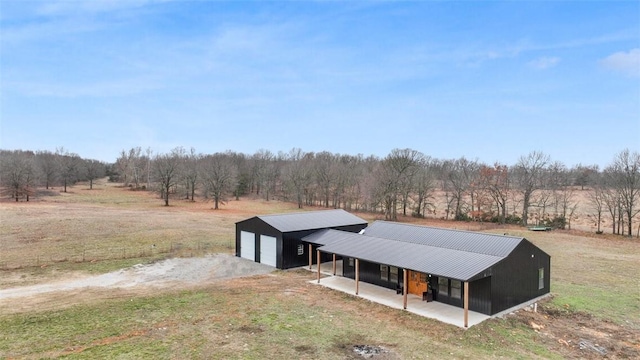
<point>447,229</point>
<point>302,212</point>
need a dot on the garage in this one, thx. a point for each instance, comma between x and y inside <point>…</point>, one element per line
<point>275,239</point>
<point>268,252</point>
<point>248,245</point>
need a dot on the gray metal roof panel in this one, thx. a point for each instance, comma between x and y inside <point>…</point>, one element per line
<point>480,243</point>
<point>311,220</point>
<point>439,261</point>
<point>324,237</point>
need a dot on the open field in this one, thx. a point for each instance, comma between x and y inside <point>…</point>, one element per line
<point>595,306</point>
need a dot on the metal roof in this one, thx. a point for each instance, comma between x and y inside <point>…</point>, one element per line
<point>327,236</point>
<point>438,261</point>
<point>311,220</point>
<point>479,243</point>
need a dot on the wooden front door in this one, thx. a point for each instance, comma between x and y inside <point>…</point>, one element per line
<point>417,283</point>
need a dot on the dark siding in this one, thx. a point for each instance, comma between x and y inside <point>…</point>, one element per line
<point>480,296</point>
<point>515,279</point>
<point>290,257</point>
<point>348,270</point>
<point>446,297</point>
<point>369,273</point>
<point>287,243</point>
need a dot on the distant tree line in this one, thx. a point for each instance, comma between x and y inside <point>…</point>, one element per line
<point>23,172</point>
<point>535,190</point>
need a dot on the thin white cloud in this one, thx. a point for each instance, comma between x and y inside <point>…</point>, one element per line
<point>625,62</point>
<point>544,62</point>
<point>125,87</point>
<point>65,7</point>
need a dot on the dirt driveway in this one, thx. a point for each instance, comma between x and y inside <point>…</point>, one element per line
<point>176,273</point>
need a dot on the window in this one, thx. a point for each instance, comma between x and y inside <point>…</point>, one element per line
<point>384,272</point>
<point>540,278</point>
<point>443,286</point>
<point>351,262</point>
<point>393,274</point>
<point>456,289</point>
<point>301,249</point>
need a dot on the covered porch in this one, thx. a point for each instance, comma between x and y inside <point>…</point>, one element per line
<point>414,304</point>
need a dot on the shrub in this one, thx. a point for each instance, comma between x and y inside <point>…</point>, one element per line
<point>463,217</point>
<point>558,222</point>
<point>509,219</point>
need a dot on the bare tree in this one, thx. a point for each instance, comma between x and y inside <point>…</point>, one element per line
<point>424,187</point>
<point>583,175</point>
<point>122,168</point>
<point>69,166</point>
<point>528,177</point>
<point>347,190</point>
<point>541,200</point>
<point>147,158</point>
<point>567,204</point>
<point>167,171</point>
<point>17,174</point>
<point>613,204</point>
<point>596,200</point>
<point>94,169</point>
<point>243,173</point>
<point>495,180</point>
<point>395,179</point>
<point>266,171</point>
<point>218,175</point>
<point>132,166</point>
<point>442,169</point>
<point>625,172</point>
<point>48,167</point>
<point>191,171</point>
<point>137,165</point>
<point>297,174</point>
<point>462,173</point>
<point>325,175</point>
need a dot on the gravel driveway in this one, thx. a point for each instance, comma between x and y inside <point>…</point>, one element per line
<point>190,271</point>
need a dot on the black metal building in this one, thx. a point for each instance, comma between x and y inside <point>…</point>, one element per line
<point>276,239</point>
<point>493,272</point>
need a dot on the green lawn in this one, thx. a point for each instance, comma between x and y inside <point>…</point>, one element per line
<point>594,282</point>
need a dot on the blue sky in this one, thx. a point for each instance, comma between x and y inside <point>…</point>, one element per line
<point>486,80</point>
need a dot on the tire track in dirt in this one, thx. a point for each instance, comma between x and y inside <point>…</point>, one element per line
<point>186,271</point>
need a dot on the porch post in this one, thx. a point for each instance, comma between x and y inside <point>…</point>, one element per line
<point>404,288</point>
<point>334,264</point>
<point>466,304</point>
<point>318,266</point>
<point>310,255</point>
<point>357,275</point>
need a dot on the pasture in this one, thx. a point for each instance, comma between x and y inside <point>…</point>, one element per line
<point>594,310</point>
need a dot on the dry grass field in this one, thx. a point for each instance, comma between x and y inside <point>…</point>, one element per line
<point>594,311</point>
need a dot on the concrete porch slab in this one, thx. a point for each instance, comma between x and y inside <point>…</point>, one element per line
<point>434,310</point>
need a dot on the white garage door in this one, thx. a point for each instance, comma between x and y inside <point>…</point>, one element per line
<point>268,250</point>
<point>248,245</point>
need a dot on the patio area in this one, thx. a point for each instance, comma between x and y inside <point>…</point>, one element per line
<point>434,310</point>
